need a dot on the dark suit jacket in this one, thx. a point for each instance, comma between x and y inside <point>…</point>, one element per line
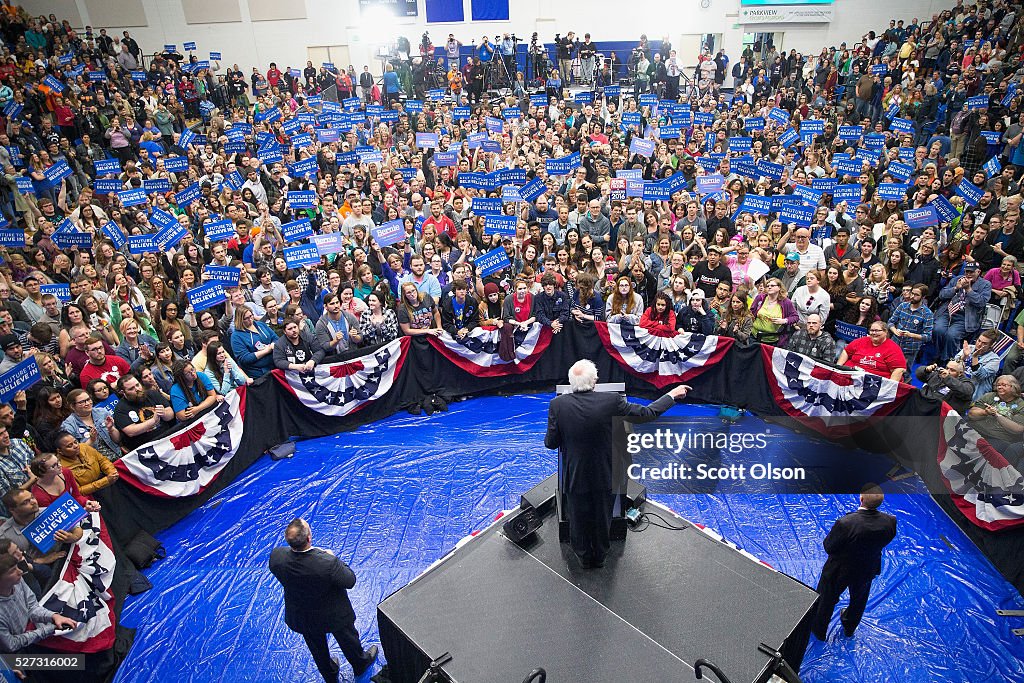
<point>580,424</point>
<point>315,584</point>
<point>855,543</point>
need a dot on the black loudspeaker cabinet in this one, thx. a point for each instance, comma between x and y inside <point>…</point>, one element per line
<point>521,529</point>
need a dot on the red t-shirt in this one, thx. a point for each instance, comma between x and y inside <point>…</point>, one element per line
<point>112,370</point>
<point>878,360</point>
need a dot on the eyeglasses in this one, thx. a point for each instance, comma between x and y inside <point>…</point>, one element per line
<point>83,401</point>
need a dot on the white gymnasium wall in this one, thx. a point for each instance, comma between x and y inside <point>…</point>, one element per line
<point>338,22</point>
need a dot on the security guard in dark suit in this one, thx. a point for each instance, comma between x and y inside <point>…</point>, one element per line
<point>580,426</point>
<point>316,600</point>
<point>854,547</point>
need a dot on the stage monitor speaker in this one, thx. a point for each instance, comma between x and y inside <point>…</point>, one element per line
<point>521,529</point>
<point>542,496</point>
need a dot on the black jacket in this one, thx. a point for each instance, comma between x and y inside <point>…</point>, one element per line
<point>855,543</point>
<point>580,426</point>
<point>470,314</point>
<point>315,589</point>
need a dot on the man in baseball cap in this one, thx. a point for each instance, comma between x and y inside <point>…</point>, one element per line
<point>13,354</point>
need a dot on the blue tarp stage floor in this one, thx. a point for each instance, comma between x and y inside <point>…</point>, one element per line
<point>394,496</point>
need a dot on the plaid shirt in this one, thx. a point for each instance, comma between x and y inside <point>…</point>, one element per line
<point>921,321</point>
<point>821,348</point>
<point>12,465</point>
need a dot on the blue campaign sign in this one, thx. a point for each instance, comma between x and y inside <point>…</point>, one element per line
<point>741,144</point>
<point>671,132</point>
<point>892,112</point>
<point>12,238</point>
<point>779,116</point>
<point>329,243</point>
<point>511,113</point>
<point>62,514</point>
<point>781,200</point>
<point>105,166</point>
<point>631,118</point>
<point>53,84</point>
<point>446,159</point>
<point>826,185</point>
<point>879,69</point>
<point>436,95</point>
<point>906,154</point>
<point>411,106</point>
<point>290,127</point>
<point>788,137</point>
<point>207,295</point>
<point>675,182</point>
<point>629,173</point>
<point>754,123</point>
<point>977,102</point>
<point>533,189</point>
<point>808,194</point>
<point>491,262</point>
<point>216,231</point>
<point>486,206</point>
<point>142,244</point>
<point>388,233</point>
<point>132,197</point>
<point>189,45</point>
<point>58,172</point>
<point>584,97</point>
<point>851,133</point>
<point>108,186</point>
<point>848,166</point>
<point>12,109</point>
<point>769,169</point>
<point>176,164</point>
<point>947,212</point>
<point>328,135</point>
<point>427,140</point>
<point>706,184</point>
<point>474,140</point>
<point>301,255</point>
<point>227,276</point>
<point>635,188</point>
<point>875,141</point>
<point>656,192</point>
<point>849,331</point>
<point>850,192</point>
<point>138,75</point>
<point>461,113</point>
<point>215,56</point>
<point>72,238</point>
<point>539,99</point>
<point>186,138</point>
<point>490,146</point>
<point>188,195</point>
<point>270,154</point>
<point>969,191</point>
<point>156,186</point>
<point>900,171</point>
<point>169,235</point>
<point>815,126</point>
<point>236,133</point>
<point>234,180</point>
<point>797,213</point>
<point>641,146</point>
<point>992,167</point>
<point>371,158</point>
<point>897,191</point>
<point>703,118</point>
<point>921,218</point>
<point>408,173</point>
<point>493,125</point>
<point>564,165</point>
<point>304,167</point>
<point>500,225</point>
<point>21,376</point>
<point>114,234</point>
<point>609,91</point>
<point>510,193</point>
<point>902,125</point>
<point>296,230</point>
<point>301,199</point>
<point>60,290</point>
<point>992,137</point>
<point>390,116</point>
<point>510,176</point>
<point>648,100</point>
<point>347,159</point>
<point>475,181</point>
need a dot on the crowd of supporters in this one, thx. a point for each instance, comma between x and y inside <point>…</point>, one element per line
<point>124,357</point>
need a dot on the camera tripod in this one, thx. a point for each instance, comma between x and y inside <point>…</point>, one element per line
<point>493,71</point>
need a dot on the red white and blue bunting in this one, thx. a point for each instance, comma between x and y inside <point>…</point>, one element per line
<point>477,352</point>
<point>83,592</point>
<point>662,361</point>
<point>833,402</point>
<point>986,488</point>
<point>340,389</point>
<point>184,463</point>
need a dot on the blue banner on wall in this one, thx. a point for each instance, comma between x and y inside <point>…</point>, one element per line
<point>489,10</point>
<point>444,10</point>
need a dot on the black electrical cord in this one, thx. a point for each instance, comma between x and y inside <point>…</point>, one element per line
<point>645,521</point>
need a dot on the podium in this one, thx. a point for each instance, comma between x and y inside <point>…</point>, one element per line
<point>634,494</point>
